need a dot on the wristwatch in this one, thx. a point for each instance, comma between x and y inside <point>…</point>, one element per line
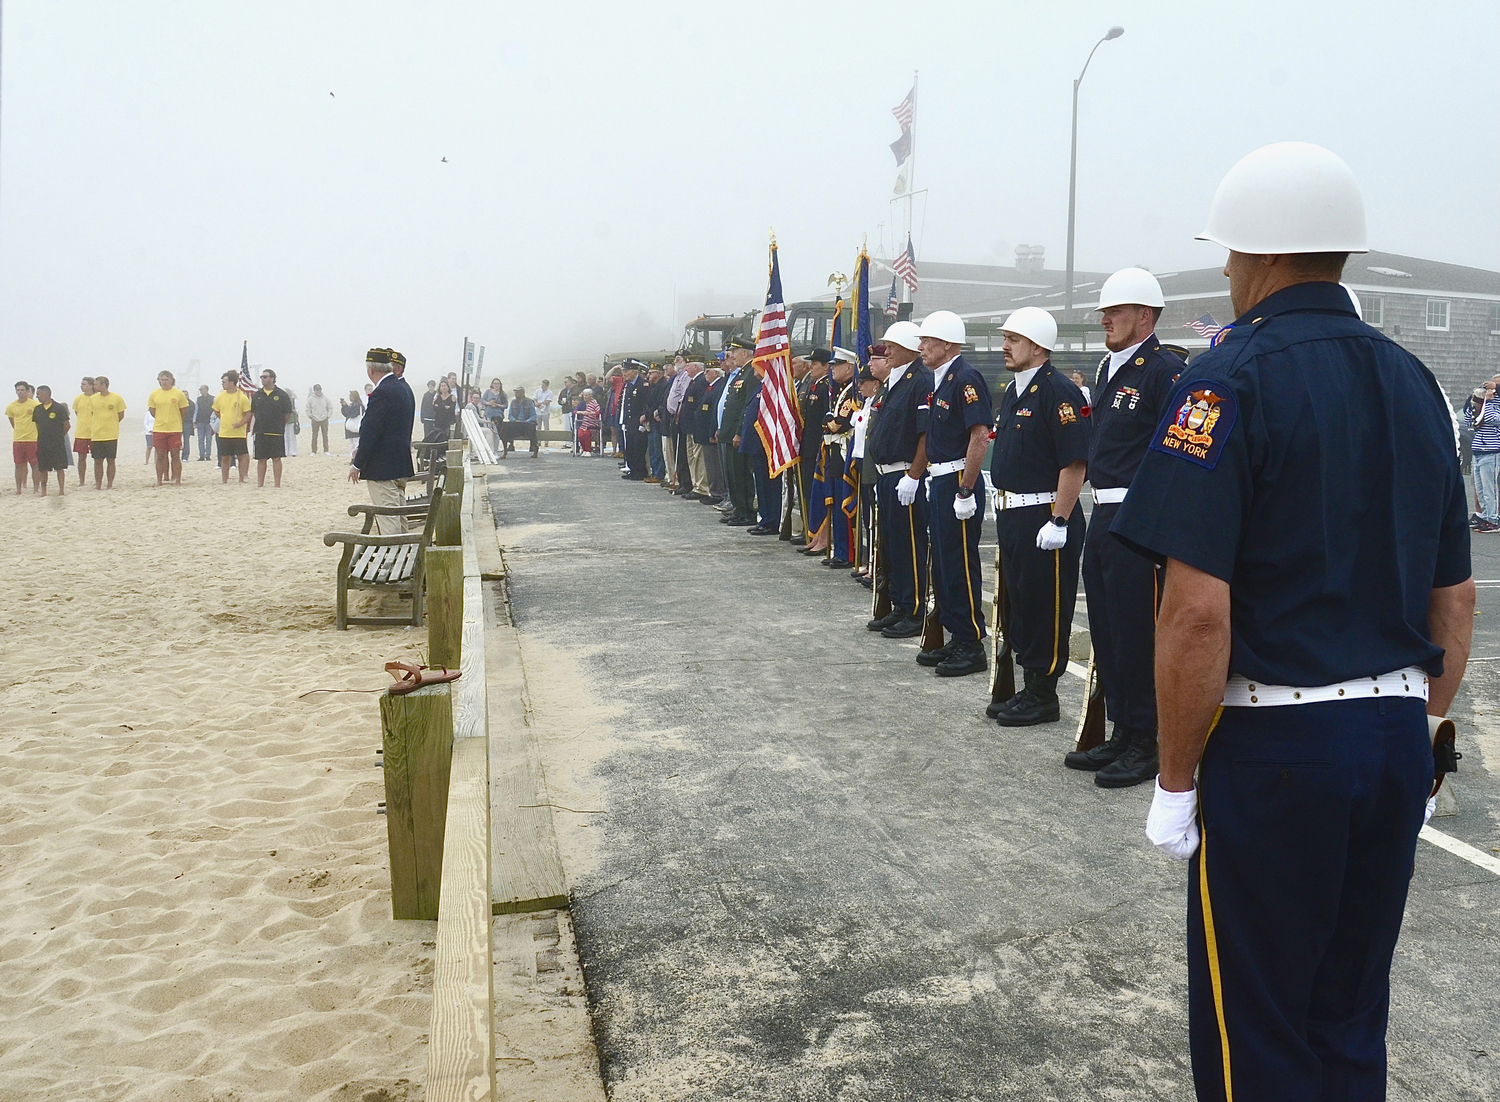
<point>965,491</point>
<point>1061,522</point>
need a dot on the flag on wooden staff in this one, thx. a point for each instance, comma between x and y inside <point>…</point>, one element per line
<point>779,424</point>
<point>247,384</point>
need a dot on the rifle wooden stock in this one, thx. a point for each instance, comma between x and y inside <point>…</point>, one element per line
<point>1091,718</point>
<point>1003,669</point>
<point>932,626</point>
<point>880,571</point>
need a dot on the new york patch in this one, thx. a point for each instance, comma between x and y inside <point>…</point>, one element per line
<point>1197,428</point>
<point>1065,413</point>
<point>970,395</point>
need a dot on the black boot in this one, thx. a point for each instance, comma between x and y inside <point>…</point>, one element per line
<point>1101,755</point>
<point>1038,704</point>
<point>1137,765</point>
<point>904,628</point>
<point>880,623</point>
<point>933,657</point>
<point>965,658</point>
<point>994,710</point>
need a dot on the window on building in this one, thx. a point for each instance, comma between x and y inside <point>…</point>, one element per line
<point>1495,317</point>
<point>1437,314</point>
<point>1373,308</point>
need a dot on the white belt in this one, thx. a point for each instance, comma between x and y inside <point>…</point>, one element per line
<point>1241,692</point>
<point>891,468</point>
<point>1004,499</point>
<point>834,438</point>
<point>1110,497</point>
<point>950,467</point>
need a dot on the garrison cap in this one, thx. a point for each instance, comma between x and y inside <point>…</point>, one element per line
<point>385,356</point>
<point>742,342</point>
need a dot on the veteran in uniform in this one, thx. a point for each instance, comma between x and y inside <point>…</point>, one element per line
<point>896,440</point>
<point>634,422</point>
<point>738,472</point>
<point>1129,396</point>
<point>838,433</point>
<point>957,429</point>
<point>810,462</point>
<point>1304,492</point>
<point>1037,467</point>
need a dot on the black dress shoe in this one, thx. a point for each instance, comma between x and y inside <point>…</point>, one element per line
<point>1137,765</point>
<point>742,522</point>
<point>1098,757</point>
<point>904,628</point>
<point>865,580</point>
<point>691,496</point>
<point>799,541</point>
<point>711,500</point>
<point>964,659</point>
<point>880,623</point>
<point>933,657</point>
<point>762,530</point>
<point>839,564</point>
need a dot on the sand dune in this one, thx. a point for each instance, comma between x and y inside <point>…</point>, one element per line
<point>197,901</point>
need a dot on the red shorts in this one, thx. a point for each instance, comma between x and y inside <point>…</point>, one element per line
<point>167,441</point>
<point>81,444</point>
<point>24,453</point>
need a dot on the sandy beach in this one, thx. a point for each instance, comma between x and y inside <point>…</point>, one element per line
<point>197,902</point>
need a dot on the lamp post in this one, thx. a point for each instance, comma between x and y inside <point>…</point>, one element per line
<point>1112,33</point>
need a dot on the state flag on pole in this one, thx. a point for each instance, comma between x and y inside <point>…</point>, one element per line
<point>901,147</point>
<point>779,424</point>
<point>247,384</point>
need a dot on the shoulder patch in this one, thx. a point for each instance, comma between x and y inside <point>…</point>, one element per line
<point>1065,413</point>
<point>970,395</point>
<point>1198,427</point>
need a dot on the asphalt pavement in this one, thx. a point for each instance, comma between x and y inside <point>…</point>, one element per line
<point>818,872</point>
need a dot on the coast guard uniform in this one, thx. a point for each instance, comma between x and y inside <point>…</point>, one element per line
<point>902,416</point>
<point>1040,428</point>
<point>1308,462</point>
<point>960,400</point>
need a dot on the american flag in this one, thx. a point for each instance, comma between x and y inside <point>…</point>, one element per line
<point>892,304</point>
<point>247,384</point>
<point>906,267</point>
<point>779,424</point>
<point>906,109</point>
<point>1204,326</point>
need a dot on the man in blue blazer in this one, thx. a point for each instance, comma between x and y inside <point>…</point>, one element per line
<point>383,459</point>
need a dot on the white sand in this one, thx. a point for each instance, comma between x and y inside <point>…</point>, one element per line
<point>194,875</point>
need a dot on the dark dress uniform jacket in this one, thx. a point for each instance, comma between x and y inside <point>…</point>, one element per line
<point>1125,411</point>
<point>384,452</point>
<point>814,413</point>
<point>634,405</point>
<point>898,423</point>
<point>692,408</point>
<point>740,390</point>
<point>1038,433</point>
<point>709,411</point>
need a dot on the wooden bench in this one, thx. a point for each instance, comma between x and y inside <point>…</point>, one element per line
<point>392,563</point>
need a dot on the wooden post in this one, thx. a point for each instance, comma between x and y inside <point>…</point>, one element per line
<point>445,605</point>
<point>448,531</point>
<point>417,736</point>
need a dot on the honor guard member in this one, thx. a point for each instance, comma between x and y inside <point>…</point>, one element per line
<point>1304,492</point>
<point>1129,396</point>
<point>767,488</point>
<point>1041,453</point>
<point>809,465</point>
<point>634,421</point>
<point>957,434</point>
<point>838,433</point>
<point>737,468</point>
<point>895,443</point>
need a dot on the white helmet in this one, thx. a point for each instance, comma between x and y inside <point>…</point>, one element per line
<point>904,333</point>
<point>1131,287</point>
<point>1290,197</point>
<point>1033,323</point>
<point>944,325</point>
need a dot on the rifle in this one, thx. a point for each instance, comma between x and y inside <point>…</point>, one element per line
<point>791,482</point>
<point>932,626</point>
<point>1003,669</point>
<point>1091,719</point>
<point>880,596</point>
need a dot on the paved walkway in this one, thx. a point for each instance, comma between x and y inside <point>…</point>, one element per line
<point>804,868</point>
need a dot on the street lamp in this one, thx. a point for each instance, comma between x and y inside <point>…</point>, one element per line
<point>1109,35</point>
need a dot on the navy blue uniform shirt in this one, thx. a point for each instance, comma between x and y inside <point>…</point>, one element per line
<point>957,405</point>
<point>896,422</point>
<point>1038,433</point>
<point>1125,410</point>
<point>1308,461</point>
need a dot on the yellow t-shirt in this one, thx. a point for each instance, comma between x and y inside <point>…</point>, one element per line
<point>231,406</point>
<point>25,426</point>
<point>105,411</point>
<point>83,417</point>
<point>168,406</point>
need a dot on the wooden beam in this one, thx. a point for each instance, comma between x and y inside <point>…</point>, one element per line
<point>417,742</point>
<point>445,613</point>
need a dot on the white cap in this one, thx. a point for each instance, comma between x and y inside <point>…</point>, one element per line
<point>904,333</point>
<point>843,355</point>
<point>1131,287</point>
<point>1290,197</point>
<point>944,325</point>
<point>1033,323</point>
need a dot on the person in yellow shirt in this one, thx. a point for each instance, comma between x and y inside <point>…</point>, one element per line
<point>82,429</point>
<point>233,407</point>
<point>23,438</point>
<point>106,411</point>
<point>166,404</point>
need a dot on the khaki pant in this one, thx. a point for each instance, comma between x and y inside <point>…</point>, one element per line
<point>391,494</point>
<point>669,455</point>
<point>697,467</point>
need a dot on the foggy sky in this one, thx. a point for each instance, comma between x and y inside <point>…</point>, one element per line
<point>176,178</point>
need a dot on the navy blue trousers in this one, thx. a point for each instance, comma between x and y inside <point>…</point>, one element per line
<point>955,560</point>
<point>903,542</point>
<point>1041,587</point>
<point>767,491</point>
<point>839,492</point>
<point>1123,589</point>
<point>1310,817</point>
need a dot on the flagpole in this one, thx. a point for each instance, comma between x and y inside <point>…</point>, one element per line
<point>911,175</point>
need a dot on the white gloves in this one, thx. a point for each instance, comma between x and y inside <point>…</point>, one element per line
<point>1172,824</point>
<point>965,507</point>
<point>1052,537</point>
<point>906,489</point>
<point>1431,810</point>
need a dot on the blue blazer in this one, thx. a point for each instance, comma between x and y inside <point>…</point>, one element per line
<point>384,451</point>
